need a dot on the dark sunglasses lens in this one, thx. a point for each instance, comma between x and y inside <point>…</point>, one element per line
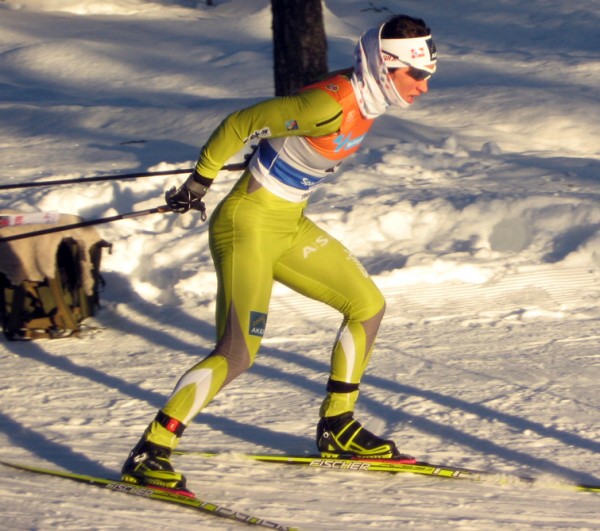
<point>418,75</point>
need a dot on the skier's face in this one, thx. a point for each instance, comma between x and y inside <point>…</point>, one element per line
<point>408,84</point>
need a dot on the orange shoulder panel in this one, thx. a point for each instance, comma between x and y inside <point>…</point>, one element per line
<point>353,128</point>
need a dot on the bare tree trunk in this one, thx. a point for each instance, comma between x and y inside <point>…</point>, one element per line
<point>299,44</point>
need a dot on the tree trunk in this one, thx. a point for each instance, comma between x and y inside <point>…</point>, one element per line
<point>299,44</point>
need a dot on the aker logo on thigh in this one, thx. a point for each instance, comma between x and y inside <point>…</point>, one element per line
<point>258,322</point>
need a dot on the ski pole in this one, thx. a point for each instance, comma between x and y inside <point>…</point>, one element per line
<point>88,223</point>
<point>228,167</point>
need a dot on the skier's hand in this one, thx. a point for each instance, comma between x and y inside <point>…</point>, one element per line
<point>188,196</point>
<point>183,199</point>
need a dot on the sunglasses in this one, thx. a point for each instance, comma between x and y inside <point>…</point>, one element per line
<point>416,73</point>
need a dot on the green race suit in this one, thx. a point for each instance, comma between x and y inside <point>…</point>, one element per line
<point>259,234</point>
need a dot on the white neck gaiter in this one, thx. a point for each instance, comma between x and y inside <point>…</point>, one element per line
<point>371,82</point>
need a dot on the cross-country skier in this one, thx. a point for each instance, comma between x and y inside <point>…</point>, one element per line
<point>259,234</point>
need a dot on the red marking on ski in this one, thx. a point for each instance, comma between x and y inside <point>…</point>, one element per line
<point>180,492</point>
<point>391,461</point>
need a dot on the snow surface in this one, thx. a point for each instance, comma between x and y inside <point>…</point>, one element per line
<point>476,212</point>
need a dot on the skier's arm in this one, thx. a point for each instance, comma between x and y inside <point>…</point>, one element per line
<point>310,113</point>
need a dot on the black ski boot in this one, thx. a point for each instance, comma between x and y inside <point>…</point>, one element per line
<point>342,436</point>
<point>149,464</point>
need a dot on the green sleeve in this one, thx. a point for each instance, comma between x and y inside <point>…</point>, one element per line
<point>310,113</point>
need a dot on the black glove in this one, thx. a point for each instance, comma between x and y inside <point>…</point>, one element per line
<point>189,195</point>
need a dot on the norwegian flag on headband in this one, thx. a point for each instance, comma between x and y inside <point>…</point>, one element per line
<point>419,52</point>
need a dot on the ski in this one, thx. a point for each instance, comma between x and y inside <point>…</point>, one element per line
<point>395,467</point>
<point>155,493</point>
